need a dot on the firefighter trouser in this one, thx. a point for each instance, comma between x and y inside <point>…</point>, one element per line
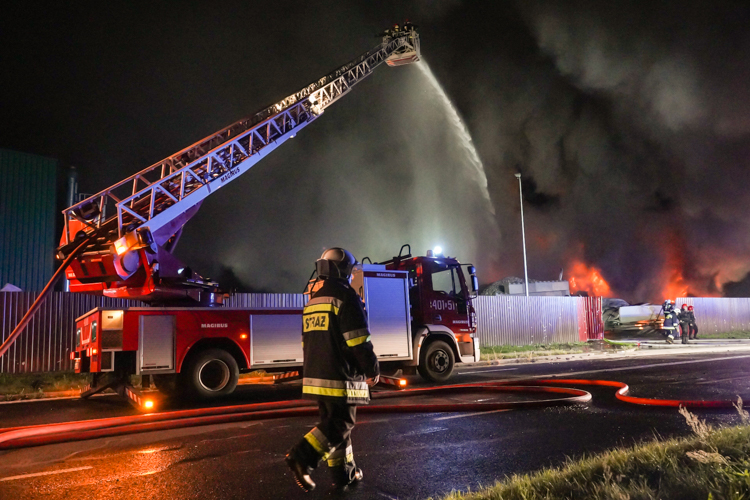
<point>693,331</point>
<point>685,328</point>
<point>330,441</point>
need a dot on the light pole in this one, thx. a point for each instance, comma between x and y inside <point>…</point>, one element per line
<point>523,236</point>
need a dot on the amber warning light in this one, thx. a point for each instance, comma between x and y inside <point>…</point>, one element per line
<point>402,382</point>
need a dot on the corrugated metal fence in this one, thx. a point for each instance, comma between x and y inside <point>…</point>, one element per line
<point>590,321</point>
<point>267,300</point>
<point>514,320</point>
<point>719,315</point>
<point>47,341</point>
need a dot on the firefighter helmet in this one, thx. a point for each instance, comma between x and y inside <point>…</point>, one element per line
<point>684,306</point>
<point>690,308</point>
<point>335,263</point>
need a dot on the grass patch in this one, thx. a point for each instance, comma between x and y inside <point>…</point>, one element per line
<point>725,335</point>
<point>35,385</point>
<point>710,464</point>
<point>525,351</point>
<point>15,386</point>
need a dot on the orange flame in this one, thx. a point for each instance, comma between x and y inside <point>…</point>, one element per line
<point>588,279</point>
<point>676,287</point>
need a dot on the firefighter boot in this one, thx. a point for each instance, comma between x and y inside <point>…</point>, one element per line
<point>670,339</point>
<point>346,476</point>
<point>301,473</point>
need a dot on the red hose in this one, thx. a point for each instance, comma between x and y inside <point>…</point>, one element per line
<point>623,390</point>
<point>90,429</point>
<point>20,437</point>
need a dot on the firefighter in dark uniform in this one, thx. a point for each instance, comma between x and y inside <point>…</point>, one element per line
<point>670,321</point>
<point>683,314</point>
<point>339,367</point>
<point>693,324</point>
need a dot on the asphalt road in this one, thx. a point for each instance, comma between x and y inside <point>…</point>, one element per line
<point>403,456</point>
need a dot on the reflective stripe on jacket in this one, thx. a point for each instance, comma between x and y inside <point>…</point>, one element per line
<point>338,354</point>
<point>336,388</point>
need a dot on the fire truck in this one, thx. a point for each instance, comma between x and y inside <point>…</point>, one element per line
<point>120,243</point>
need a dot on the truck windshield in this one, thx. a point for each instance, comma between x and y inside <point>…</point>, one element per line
<point>446,281</point>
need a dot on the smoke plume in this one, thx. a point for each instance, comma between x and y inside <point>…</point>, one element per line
<point>627,124</point>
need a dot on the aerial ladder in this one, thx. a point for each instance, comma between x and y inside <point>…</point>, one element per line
<point>120,241</point>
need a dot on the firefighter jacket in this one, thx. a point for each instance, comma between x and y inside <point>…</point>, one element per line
<point>671,319</point>
<point>684,316</point>
<point>338,354</point>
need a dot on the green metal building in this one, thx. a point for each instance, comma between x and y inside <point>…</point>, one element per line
<point>28,188</point>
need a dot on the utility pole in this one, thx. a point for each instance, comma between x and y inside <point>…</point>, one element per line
<point>523,236</point>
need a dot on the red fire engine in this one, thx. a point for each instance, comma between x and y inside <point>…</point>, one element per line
<point>419,308</point>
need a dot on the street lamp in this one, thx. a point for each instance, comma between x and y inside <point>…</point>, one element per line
<point>523,236</point>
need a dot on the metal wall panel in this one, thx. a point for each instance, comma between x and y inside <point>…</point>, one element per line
<point>46,343</point>
<point>590,322</point>
<point>27,219</point>
<point>512,320</point>
<point>49,338</point>
<point>267,300</point>
<point>719,315</point>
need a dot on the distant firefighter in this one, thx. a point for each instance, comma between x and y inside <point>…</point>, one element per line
<point>683,315</point>
<point>671,322</point>
<point>692,324</point>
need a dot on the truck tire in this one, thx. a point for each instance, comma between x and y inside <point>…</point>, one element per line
<point>211,374</point>
<point>436,363</point>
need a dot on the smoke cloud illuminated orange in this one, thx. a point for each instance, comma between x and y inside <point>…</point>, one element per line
<point>588,279</point>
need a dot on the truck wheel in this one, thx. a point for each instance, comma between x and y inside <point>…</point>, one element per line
<point>437,362</point>
<point>212,373</point>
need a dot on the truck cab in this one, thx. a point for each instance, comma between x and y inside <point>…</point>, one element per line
<point>443,319</point>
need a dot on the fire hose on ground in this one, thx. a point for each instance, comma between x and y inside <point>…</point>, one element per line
<point>38,435</point>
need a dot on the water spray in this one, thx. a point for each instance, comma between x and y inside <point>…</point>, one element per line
<point>479,174</point>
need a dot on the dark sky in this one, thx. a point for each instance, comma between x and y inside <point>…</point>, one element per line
<point>629,124</point>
